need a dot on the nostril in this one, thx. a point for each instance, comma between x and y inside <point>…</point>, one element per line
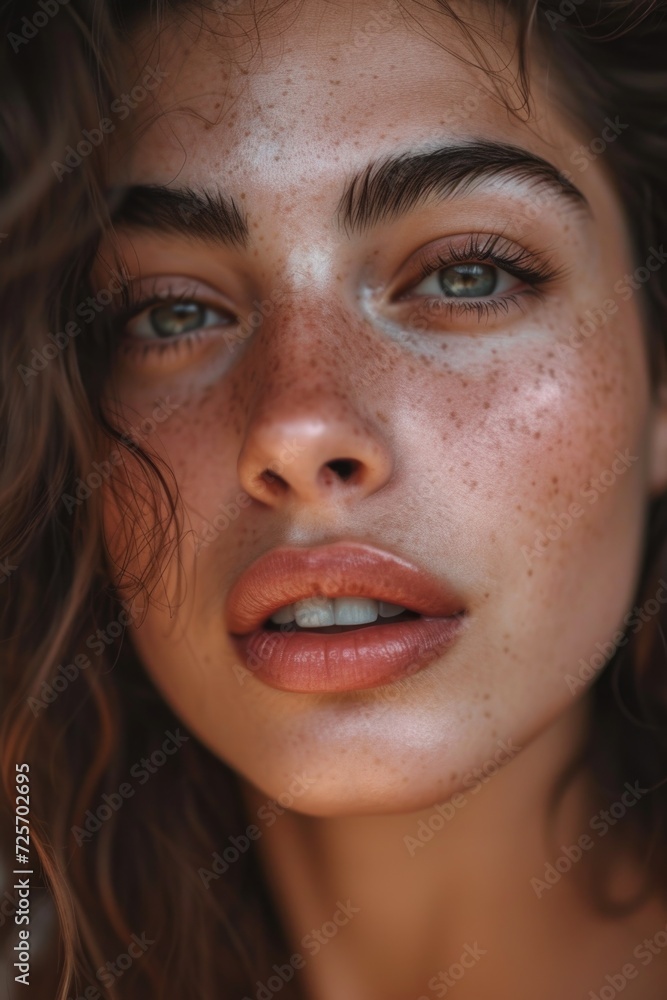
<point>273,481</point>
<point>344,468</point>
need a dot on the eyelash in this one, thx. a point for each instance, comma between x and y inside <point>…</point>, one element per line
<point>166,297</point>
<point>520,263</point>
<point>517,261</point>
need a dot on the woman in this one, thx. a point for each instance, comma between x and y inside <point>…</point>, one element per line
<point>335,450</point>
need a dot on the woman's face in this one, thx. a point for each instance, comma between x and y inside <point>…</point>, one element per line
<point>440,367</point>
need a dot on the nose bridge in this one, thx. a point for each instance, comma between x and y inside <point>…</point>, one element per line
<point>309,434</point>
<point>303,360</point>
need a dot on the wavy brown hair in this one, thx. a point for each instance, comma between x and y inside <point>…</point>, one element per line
<point>81,728</point>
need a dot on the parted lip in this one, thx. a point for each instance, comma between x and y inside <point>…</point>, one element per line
<point>342,569</point>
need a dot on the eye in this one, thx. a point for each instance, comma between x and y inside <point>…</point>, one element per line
<point>468,280</point>
<point>171,320</point>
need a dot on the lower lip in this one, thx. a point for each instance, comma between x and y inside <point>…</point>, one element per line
<point>346,661</point>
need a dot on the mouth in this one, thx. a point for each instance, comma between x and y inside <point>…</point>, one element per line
<point>339,617</point>
<point>330,616</point>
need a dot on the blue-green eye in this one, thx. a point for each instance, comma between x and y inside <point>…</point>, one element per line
<point>467,281</point>
<point>171,320</point>
<point>174,320</point>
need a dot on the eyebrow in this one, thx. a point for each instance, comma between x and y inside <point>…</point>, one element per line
<point>398,184</point>
<point>384,190</point>
<point>209,216</point>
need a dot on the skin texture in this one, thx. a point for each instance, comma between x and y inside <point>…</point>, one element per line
<point>472,435</point>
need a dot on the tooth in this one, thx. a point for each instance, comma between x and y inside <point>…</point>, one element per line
<point>355,610</point>
<point>389,610</point>
<point>283,615</point>
<point>314,612</point>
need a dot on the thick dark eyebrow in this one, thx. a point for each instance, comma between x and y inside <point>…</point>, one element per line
<point>384,190</point>
<point>396,185</point>
<point>207,215</point>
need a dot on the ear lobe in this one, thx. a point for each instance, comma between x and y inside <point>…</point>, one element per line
<point>658,453</point>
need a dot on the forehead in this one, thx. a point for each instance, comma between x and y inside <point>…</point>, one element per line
<point>308,90</point>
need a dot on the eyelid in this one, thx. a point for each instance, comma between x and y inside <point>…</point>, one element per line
<point>503,253</point>
<point>166,290</point>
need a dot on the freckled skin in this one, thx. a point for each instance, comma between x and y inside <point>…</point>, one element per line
<point>505,406</point>
<point>471,436</point>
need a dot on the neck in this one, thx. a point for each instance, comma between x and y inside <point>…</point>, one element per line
<point>379,905</point>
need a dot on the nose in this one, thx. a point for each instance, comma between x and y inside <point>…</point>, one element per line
<point>305,451</point>
<point>309,436</point>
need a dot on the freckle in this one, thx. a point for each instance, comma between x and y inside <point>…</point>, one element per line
<point>486,696</point>
<point>530,572</point>
<point>487,715</point>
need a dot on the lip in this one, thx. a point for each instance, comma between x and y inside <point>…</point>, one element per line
<point>310,661</point>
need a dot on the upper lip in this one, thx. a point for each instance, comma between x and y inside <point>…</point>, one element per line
<point>342,569</point>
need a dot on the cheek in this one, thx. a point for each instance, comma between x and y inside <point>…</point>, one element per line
<point>194,445</point>
<point>543,451</point>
